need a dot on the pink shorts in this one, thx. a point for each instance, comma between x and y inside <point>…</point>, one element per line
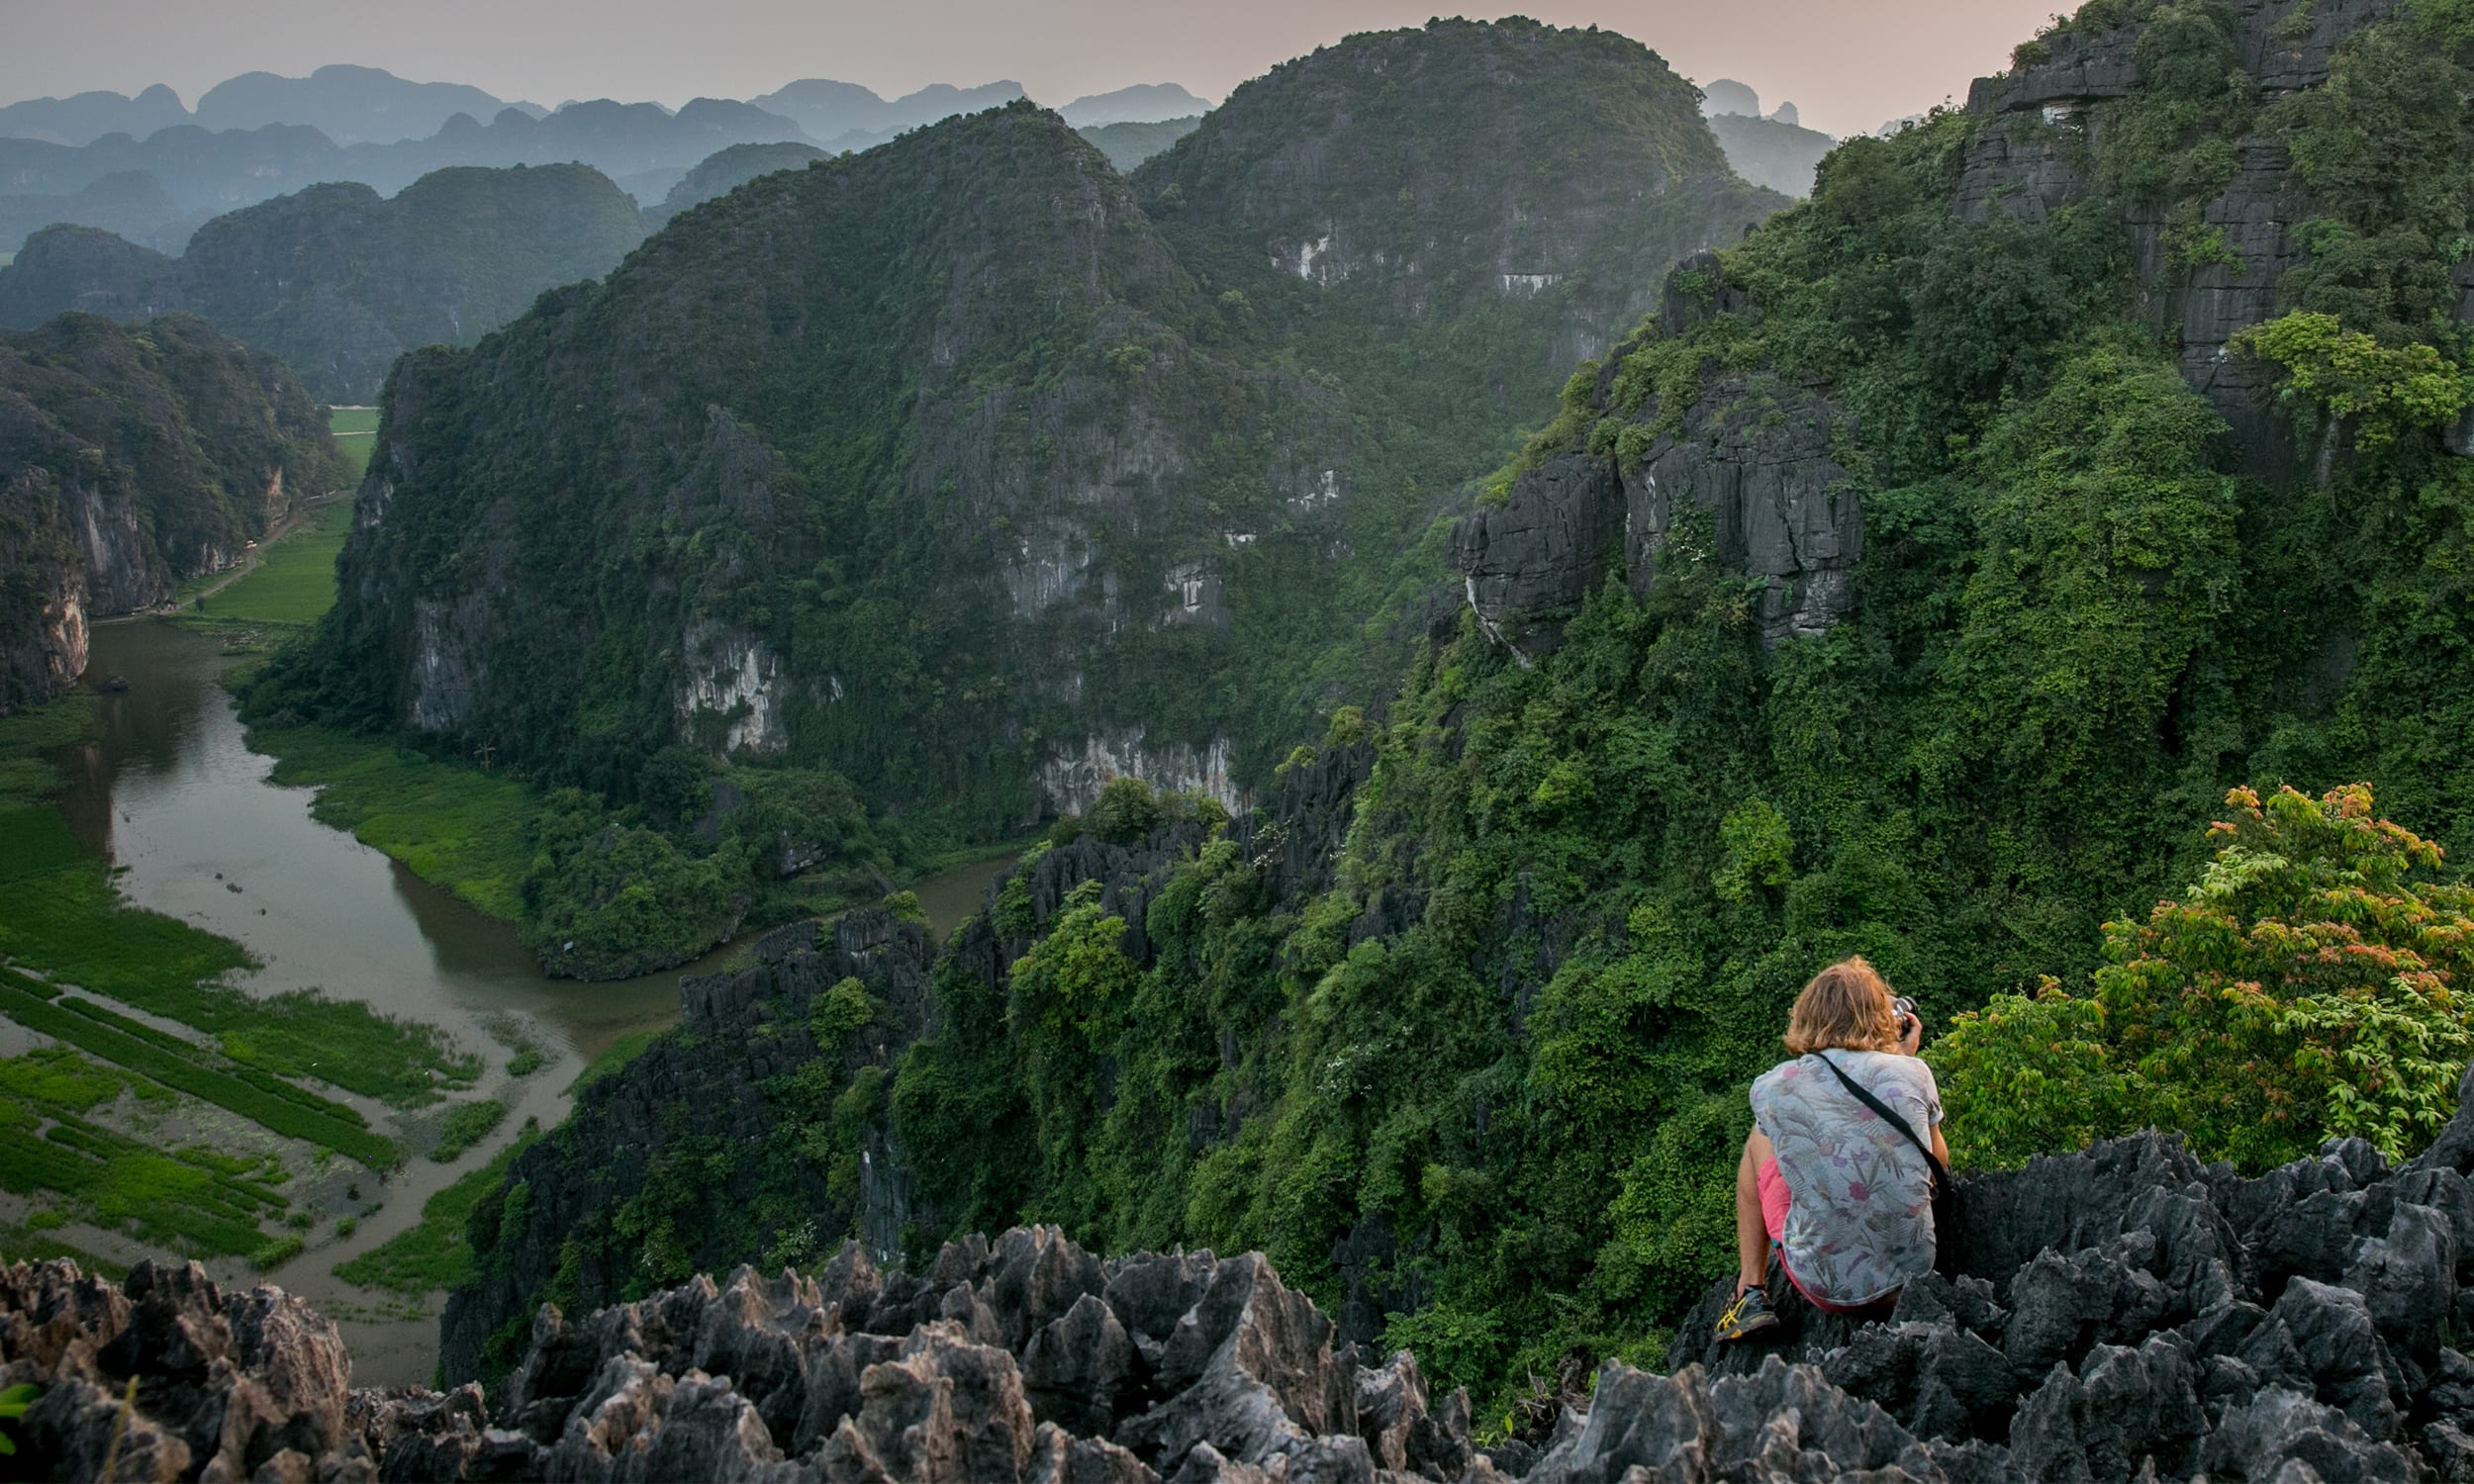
<point>1775,1199</point>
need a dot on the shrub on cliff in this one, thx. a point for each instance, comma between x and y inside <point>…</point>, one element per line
<point>2310,984</point>
<point>608,898</point>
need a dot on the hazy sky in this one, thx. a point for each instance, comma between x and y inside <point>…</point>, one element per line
<point>1848,64</point>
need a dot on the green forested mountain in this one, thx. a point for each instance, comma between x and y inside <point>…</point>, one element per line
<point>340,281</point>
<point>957,468</point>
<point>1474,238</point>
<point>1917,580</point>
<point>131,457</point>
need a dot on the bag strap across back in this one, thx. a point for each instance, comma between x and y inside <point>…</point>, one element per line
<point>1931,1160</point>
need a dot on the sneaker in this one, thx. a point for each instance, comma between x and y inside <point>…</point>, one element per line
<point>1749,1314</point>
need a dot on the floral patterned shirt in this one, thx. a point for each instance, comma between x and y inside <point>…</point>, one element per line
<point>1860,1221</point>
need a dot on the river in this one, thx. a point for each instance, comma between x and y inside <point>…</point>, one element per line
<point>172,792</point>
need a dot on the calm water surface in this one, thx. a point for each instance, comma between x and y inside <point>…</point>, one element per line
<point>170,791</point>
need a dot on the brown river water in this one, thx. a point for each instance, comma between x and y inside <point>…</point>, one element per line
<point>172,792</point>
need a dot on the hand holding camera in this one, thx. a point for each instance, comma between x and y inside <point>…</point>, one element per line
<point>1910,1025</point>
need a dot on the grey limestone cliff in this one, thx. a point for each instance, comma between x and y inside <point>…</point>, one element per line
<point>2040,157</point>
<point>1748,471</point>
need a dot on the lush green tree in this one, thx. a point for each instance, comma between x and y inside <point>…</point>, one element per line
<point>1126,810</point>
<point>2312,984</point>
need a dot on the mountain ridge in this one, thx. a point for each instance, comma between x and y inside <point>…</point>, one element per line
<point>340,281</point>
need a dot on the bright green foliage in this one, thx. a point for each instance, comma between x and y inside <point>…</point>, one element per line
<point>12,1405</point>
<point>841,1011</point>
<point>607,899</point>
<point>2381,391</point>
<point>2027,1075</point>
<point>2106,553</point>
<point>2310,985</point>
<point>1125,811</point>
<point>1454,1347</point>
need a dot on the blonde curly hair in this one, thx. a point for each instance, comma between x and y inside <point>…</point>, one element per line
<point>1846,1005</point>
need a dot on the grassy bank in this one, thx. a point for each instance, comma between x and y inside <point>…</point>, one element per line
<point>457,826</point>
<point>293,583</point>
<point>436,1255</point>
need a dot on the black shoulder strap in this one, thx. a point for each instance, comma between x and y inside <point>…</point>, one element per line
<point>1931,1160</point>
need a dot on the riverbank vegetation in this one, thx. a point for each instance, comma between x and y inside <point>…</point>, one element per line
<point>466,1125</point>
<point>151,1073</point>
<point>602,890</point>
<point>436,1255</point>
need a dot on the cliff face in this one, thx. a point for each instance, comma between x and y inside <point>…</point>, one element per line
<point>1765,493</point>
<point>909,505</point>
<point>2256,219</point>
<point>2040,149</point>
<point>1084,480</point>
<point>130,459</point>
<point>2118,1313</point>
<point>339,281</point>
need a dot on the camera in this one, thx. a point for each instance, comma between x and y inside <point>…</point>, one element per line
<point>1906,1009</point>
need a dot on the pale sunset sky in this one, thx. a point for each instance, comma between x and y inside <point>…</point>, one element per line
<point>1848,64</point>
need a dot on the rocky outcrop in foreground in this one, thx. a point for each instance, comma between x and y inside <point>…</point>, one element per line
<point>2122,1313</point>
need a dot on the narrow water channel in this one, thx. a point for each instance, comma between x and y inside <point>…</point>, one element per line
<point>170,791</point>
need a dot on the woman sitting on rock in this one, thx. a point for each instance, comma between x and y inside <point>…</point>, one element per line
<point>1842,1193</point>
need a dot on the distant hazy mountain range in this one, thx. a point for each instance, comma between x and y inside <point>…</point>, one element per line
<point>151,169</point>
<point>348,105</point>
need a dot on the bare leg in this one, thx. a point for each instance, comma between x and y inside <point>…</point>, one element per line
<point>1752,1236</point>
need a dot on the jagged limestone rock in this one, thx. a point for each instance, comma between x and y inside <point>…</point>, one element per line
<point>2118,1313</point>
